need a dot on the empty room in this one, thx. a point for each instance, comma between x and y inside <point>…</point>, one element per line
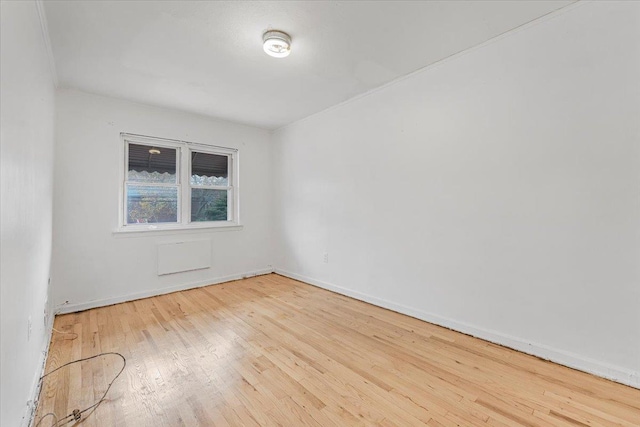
<point>320,213</point>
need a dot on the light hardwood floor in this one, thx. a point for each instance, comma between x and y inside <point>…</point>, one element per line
<point>273,351</point>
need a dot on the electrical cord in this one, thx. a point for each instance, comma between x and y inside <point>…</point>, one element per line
<point>47,415</point>
<point>76,415</point>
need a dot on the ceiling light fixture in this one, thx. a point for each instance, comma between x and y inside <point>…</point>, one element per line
<point>276,44</point>
<point>154,151</point>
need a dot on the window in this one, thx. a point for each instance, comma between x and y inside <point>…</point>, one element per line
<point>171,184</point>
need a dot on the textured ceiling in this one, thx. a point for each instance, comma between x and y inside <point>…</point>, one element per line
<point>207,58</point>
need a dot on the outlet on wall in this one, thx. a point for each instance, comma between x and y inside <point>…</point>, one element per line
<point>325,257</point>
<point>29,328</point>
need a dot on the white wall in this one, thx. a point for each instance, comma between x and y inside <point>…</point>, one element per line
<point>93,266</point>
<point>496,192</point>
<point>26,154</point>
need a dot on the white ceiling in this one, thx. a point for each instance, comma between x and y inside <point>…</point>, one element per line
<point>207,58</point>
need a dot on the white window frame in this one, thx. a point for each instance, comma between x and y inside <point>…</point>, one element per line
<point>183,184</point>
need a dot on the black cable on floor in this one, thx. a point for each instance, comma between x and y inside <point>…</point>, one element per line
<point>76,415</point>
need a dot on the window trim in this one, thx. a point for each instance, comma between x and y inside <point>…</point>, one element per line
<point>183,183</point>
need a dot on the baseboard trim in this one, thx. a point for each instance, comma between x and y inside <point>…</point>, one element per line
<point>75,307</point>
<point>562,357</point>
<point>32,405</point>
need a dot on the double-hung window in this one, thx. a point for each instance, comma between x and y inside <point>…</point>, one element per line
<point>170,184</point>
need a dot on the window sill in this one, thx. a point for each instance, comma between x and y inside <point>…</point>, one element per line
<point>142,231</point>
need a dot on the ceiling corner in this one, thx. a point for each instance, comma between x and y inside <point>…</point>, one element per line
<point>47,41</point>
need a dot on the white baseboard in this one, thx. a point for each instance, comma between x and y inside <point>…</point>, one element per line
<point>32,405</point>
<point>562,357</point>
<point>74,307</point>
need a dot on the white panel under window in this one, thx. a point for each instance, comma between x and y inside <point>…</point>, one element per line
<point>184,256</point>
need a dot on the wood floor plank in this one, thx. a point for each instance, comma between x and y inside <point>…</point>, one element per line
<point>272,351</point>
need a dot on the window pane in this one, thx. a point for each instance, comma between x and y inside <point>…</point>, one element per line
<point>208,205</point>
<point>151,204</point>
<point>151,164</point>
<point>209,169</point>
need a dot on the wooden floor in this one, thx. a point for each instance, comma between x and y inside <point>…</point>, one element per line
<point>273,351</point>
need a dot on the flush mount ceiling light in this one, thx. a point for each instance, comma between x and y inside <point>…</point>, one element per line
<point>154,151</point>
<point>276,44</point>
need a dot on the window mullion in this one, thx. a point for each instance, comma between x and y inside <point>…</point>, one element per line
<point>185,171</point>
